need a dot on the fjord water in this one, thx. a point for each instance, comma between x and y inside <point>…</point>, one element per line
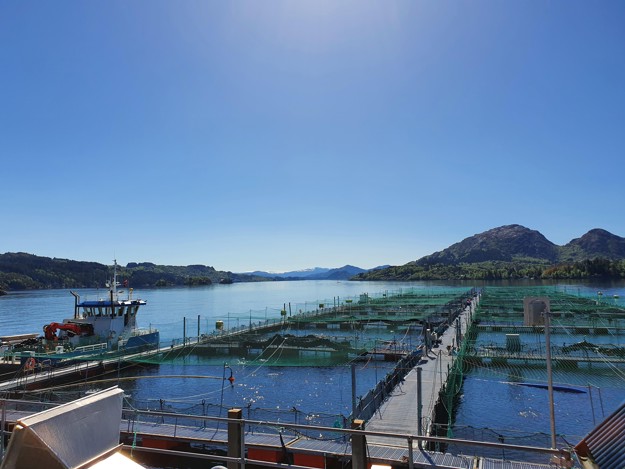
<point>235,304</point>
<point>491,405</point>
<point>194,382</point>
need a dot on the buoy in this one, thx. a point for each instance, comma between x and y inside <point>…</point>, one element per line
<point>30,364</point>
<point>231,379</point>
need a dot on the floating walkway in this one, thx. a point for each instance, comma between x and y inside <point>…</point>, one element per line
<point>503,357</point>
<point>560,329</point>
<point>400,413</point>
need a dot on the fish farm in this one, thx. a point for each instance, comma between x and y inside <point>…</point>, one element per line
<point>461,341</point>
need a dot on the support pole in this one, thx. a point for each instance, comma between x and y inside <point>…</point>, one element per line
<point>550,379</point>
<point>354,391</point>
<point>184,331</point>
<point>198,328</point>
<point>235,431</point>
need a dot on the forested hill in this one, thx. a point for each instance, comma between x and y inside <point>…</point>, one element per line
<point>21,271</point>
<point>514,251</point>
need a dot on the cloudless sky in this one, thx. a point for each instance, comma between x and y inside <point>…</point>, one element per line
<point>279,135</point>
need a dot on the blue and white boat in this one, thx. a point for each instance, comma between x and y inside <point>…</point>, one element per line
<point>99,328</point>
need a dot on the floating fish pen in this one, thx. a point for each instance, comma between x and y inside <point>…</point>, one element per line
<point>406,308</point>
<point>288,345</point>
<point>573,319</point>
<point>379,328</point>
<point>587,349</point>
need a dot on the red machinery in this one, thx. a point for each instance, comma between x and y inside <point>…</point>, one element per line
<point>49,330</point>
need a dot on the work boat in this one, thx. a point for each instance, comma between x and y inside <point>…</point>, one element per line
<point>103,327</point>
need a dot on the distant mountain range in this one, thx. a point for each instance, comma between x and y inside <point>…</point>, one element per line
<point>514,251</point>
<point>317,273</point>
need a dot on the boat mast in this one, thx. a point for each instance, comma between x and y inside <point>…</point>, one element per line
<point>76,301</point>
<point>113,286</point>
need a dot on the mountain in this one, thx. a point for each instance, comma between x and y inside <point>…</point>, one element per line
<point>342,273</point>
<point>514,251</point>
<point>595,243</point>
<point>293,274</point>
<point>506,243</point>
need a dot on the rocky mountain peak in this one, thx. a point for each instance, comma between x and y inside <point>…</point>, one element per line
<point>597,243</point>
<point>504,243</point>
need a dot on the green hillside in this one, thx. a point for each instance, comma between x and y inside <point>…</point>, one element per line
<point>21,271</point>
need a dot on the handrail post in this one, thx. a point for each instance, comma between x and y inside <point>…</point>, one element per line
<point>411,453</point>
<point>359,446</point>
<point>419,406</point>
<point>3,424</point>
<point>235,430</point>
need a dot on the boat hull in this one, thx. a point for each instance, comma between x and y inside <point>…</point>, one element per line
<point>142,342</point>
<point>135,344</point>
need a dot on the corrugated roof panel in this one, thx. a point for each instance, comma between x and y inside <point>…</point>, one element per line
<point>605,444</point>
<point>265,439</point>
<point>328,447</point>
<point>488,463</point>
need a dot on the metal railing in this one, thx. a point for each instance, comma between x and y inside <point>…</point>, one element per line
<point>237,439</point>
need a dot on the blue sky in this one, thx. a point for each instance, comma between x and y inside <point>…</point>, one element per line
<point>281,135</point>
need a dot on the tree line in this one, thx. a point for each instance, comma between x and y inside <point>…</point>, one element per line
<point>494,270</point>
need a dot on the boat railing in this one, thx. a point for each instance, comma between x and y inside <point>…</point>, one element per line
<point>136,332</point>
<point>91,348</point>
